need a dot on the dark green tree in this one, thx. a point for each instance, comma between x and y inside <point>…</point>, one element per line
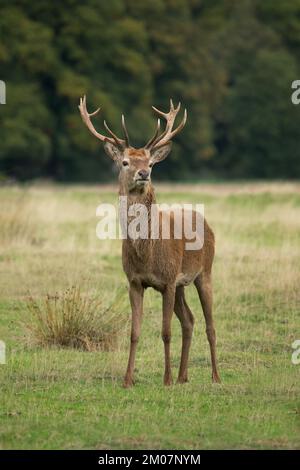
<point>230,62</point>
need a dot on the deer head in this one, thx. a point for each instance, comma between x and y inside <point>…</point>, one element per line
<point>135,165</point>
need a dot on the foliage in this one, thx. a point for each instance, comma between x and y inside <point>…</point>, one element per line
<point>231,62</point>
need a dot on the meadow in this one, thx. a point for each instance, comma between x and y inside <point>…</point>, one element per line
<point>58,398</point>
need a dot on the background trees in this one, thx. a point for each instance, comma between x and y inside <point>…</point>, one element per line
<point>231,62</point>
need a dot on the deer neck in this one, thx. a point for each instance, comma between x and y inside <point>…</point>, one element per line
<point>145,196</point>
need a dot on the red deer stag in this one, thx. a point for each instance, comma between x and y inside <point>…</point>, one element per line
<point>164,264</point>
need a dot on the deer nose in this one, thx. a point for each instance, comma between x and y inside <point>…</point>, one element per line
<point>143,174</point>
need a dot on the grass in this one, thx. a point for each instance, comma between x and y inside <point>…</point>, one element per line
<point>76,320</point>
<point>68,398</point>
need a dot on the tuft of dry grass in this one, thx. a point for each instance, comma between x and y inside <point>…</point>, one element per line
<point>74,320</point>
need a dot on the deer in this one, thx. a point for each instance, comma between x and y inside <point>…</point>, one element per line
<point>163,264</point>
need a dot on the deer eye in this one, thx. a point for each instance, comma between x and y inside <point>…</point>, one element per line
<point>125,163</point>
<point>150,165</point>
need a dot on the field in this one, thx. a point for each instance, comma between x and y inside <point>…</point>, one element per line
<point>54,398</point>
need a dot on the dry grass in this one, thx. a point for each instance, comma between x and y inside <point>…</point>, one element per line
<point>72,319</point>
<point>16,222</point>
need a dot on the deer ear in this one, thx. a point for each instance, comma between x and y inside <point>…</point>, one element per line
<point>161,153</point>
<point>113,151</point>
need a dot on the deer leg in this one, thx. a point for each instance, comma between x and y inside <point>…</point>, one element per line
<point>136,293</point>
<point>168,307</point>
<point>186,319</point>
<point>203,285</point>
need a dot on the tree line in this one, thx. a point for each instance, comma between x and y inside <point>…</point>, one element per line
<point>230,62</point>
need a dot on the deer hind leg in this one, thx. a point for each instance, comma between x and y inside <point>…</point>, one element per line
<point>168,307</point>
<point>136,293</point>
<point>203,285</point>
<point>186,319</point>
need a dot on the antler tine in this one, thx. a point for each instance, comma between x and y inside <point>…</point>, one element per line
<point>169,136</point>
<point>178,107</point>
<point>125,131</point>
<point>86,119</point>
<point>116,139</point>
<point>95,112</point>
<point>170,117</point>
<point>150,142</point>
<point>160,113</point>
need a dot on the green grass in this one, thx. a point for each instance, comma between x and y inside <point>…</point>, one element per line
<point>63,398</point>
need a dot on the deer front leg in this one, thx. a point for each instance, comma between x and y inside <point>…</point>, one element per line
<point>136,293</point>
<point>168,307</point>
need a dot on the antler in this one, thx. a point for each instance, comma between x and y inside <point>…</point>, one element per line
<point>168,133</point>
<point>155,142</point>
<point>86,119</point>
<point>151,141</point>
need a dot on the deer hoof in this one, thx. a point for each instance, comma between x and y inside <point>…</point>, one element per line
<point>168,381</point>
<point>182,380</point>
<point>128,382</point>
<point>216,379</point>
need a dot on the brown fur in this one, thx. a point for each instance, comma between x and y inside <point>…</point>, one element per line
<point>166,266</point>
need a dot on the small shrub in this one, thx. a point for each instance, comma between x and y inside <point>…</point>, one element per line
<point>75,320</point>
